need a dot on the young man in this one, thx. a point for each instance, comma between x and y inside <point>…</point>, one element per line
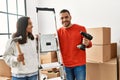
<point>74,59</point>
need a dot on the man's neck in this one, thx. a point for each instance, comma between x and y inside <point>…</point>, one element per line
<point>69,26</point>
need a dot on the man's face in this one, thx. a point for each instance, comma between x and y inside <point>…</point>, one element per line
<point>65,19</point>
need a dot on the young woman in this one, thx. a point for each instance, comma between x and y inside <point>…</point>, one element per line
<point>24,64</point>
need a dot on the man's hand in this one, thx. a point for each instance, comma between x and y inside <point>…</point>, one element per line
<point>86,41</point>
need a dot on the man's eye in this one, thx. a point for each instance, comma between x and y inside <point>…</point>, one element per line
<point>66,17</point>
<point>62,18</point>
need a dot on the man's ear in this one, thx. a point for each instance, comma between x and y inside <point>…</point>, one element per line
<point>70,17</point>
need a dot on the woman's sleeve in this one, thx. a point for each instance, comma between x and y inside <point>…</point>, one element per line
<point>9,55</point>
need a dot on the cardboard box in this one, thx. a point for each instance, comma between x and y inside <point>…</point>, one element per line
<point>53,74</point>
<point>102,71</point>
<point>101,35</point>
<point>118,66</point>
<point>99,53</point>
<point>92,71</point>
<point>48,57</point>
<point>5,70</point>
<point>49,60</point>
<point>113,50</point>
<point>109,70</point>
<point>5,78</point>
<point>50,74</point>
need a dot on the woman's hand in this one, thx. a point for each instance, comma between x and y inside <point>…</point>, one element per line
<point>20,57</point>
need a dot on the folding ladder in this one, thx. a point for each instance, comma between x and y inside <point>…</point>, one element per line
<point>48,40</point>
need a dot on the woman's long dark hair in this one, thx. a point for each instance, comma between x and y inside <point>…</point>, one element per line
<point>22,24</point>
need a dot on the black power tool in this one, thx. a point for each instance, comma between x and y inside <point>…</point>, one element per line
<point>87,36</point>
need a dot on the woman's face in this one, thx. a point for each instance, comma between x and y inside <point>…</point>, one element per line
<point>29,27</point>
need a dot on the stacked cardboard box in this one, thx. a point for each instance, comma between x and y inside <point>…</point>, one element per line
<point>5,71</point>
<point>100,55</point>
<point>118,67</point>
<point>102,71</point>
<point>48,57</point>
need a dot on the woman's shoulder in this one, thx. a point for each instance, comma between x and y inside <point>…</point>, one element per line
<point>9,43</point>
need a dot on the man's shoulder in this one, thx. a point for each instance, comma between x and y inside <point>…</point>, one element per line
<point>61,28</point>
<point>78,25</point>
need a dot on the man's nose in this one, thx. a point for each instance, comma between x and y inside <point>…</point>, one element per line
<point>64,19</point>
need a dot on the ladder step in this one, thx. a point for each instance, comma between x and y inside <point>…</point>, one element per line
<point>57,78</point>
<point>50,65</point>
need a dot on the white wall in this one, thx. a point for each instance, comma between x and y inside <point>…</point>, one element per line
<point>31,12</point>
<point>90,13</point>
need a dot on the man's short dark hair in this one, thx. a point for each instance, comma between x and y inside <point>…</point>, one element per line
<point>65,10</point>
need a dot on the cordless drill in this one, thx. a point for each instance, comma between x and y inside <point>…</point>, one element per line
<point>87,36</point>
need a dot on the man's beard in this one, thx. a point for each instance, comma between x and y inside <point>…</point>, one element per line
<point>66,25</point>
